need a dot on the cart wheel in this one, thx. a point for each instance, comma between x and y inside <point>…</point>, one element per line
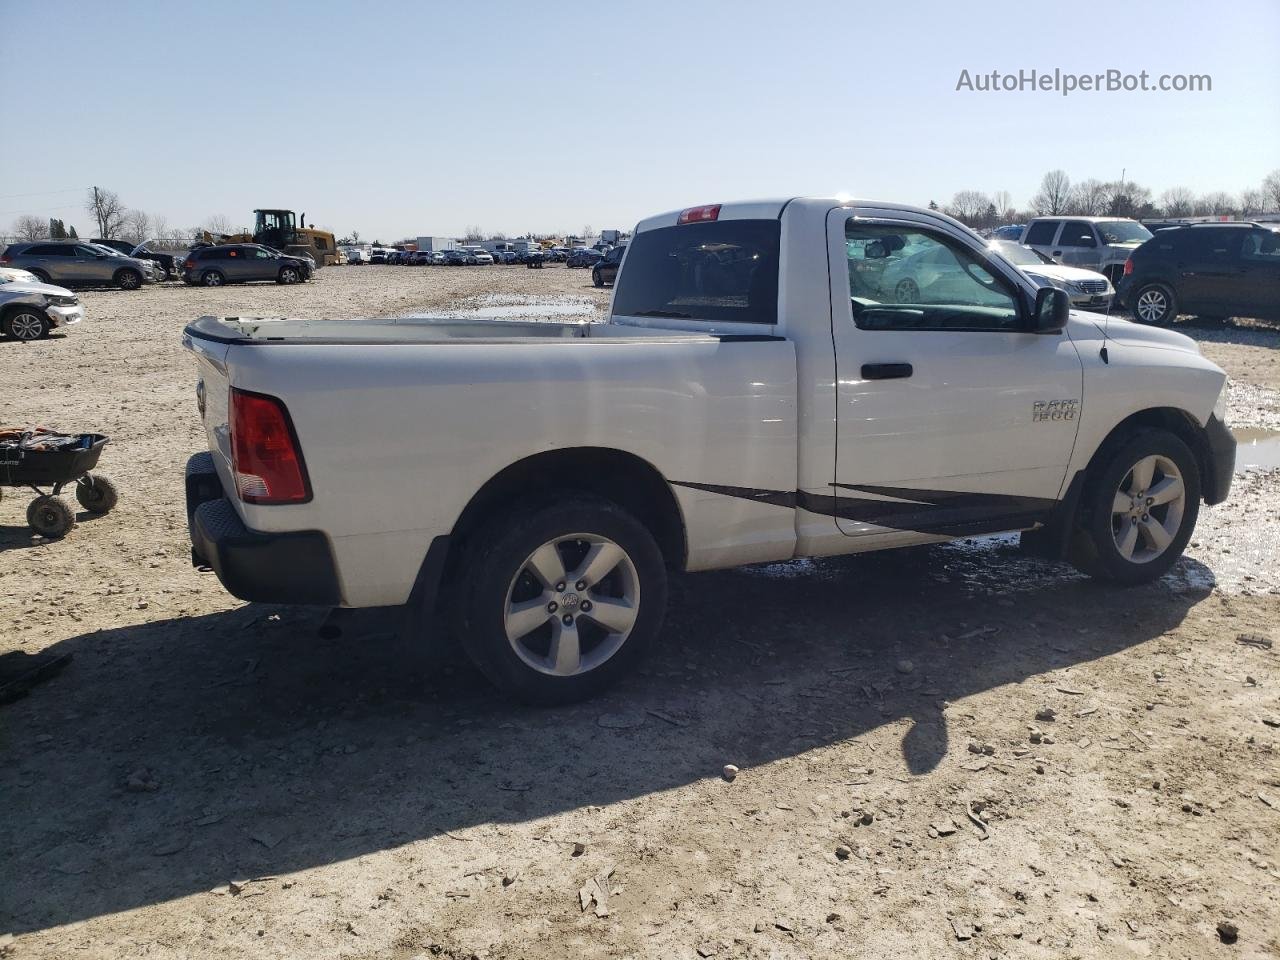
<point>50,516</point>
<point>97,494</point>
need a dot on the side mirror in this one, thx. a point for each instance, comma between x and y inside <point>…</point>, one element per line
<point>1051,311</point>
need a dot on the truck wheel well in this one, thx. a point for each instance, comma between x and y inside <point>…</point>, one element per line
<point>1178,422</point>
<point>622,478</point>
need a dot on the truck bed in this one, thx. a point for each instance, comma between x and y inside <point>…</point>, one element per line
<point>254,330</point>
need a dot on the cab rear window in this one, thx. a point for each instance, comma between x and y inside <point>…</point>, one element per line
<point>725,271</point>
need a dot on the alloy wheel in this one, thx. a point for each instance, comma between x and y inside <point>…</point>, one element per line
<point>26,326</point>
<point>1147,509</point>
<point>1152,305</point>
<point>572,604</point>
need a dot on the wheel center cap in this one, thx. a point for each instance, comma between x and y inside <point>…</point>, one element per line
<point>570,601</point>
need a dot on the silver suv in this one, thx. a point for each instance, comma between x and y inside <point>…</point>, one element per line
<point>1094,243</point>
<point>70,262</point>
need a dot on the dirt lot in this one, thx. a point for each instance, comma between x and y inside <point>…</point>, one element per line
<point>212,779</point>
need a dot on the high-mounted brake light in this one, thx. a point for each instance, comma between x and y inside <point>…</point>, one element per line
<point>704,214</point>
<point>265,456</point>
<point>1128,266</point>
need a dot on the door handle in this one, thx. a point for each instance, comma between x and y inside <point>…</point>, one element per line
<point>1057,253</point>
<point>885,371</point>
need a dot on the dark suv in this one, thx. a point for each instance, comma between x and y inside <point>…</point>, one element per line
<point>1214,270</point>
<point>606,270</point>
<point>240,263</point>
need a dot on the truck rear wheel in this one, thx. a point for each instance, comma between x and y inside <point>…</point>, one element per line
<point>556,603</point>
<point>1138,510</point>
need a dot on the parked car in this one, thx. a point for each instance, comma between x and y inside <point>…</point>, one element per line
<point>1095,243</point>
<point>78,262</point>
<point>742,404</point>
<point>1215,270</point>
<point>244,262</point>
<point>167,254</point>
<point>155,272</point>
<point>29,309</point>
<point>1010,231</point>
<point>460,258</point>
<point>378,256</point>
<point>606,268</point>
<point>119,246</point>
<point>21,276</point>
<point>482,256</point>
<point>1088,289</point>
<point>583,257</point>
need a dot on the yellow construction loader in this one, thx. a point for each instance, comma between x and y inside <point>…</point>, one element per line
<point>277,229</point>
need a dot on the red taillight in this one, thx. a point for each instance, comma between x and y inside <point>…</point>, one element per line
<point>265,456</point>
<point>189,264</point>
<point>1128,266</point>
<point>700,214</point>
<point>4,258</point>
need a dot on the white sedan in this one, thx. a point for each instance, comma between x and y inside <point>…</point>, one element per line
<point>29,309</point>
<point>1088,289</point>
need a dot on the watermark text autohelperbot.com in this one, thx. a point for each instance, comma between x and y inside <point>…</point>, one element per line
<point>1066,83</point>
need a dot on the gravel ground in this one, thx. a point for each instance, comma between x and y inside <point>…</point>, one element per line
<point>212,779</point>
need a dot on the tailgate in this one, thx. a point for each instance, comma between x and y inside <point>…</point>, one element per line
<point>212,387</point>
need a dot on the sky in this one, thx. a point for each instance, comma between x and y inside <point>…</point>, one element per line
<point>400,119</point>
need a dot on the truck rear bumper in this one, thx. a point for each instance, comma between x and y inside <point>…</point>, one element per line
<point>294,567</point>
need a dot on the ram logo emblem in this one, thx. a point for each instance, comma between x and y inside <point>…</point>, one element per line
<point>1054,410</point>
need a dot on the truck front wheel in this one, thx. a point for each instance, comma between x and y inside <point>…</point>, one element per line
<point>1139,510</point>
<point>556,603</point>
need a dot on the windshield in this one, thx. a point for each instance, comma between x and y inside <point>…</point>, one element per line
<point>1017,254</point>
<point>1123,231</point>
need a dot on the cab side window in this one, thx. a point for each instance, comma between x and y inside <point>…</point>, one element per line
<point>902,278</point>
<point>1077,233</point>
<point>1042,233</point>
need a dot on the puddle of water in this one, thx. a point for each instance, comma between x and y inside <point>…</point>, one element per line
<point>1257,449</point>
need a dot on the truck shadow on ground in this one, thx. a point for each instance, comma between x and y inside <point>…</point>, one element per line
<point>272,751</point>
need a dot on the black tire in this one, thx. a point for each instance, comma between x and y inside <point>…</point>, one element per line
<point>289,275</point>
<point>128,279</point>
<point>51,517</point>
<point>1094,548</point>
<point>491,568</point>
<point>26,324</point>
<point>97,494</point>
<point>907,291</point>
<point>212,278</point>
<point>1155,304</point>
<point>596,278</point>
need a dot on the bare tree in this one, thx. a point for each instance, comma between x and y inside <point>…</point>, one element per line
<point>1251,202</point>
<point>968,206</point>
<point>105,208</point>
<point>1004,206</point>
<point>159,226</point>
<point>1271,192</point>
<point>1217,203</point>
<point>1126,199</point>
<point>30,228</point>
<point>588,232</point>
<point>1177,202</point>
<point>137,225</point>
<point>1054,195</point>
<point>1088,198</point>
<point>217,224</point>
<point>472,233</point>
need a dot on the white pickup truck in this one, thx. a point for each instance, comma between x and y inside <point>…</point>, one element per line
<point>762,390</point>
